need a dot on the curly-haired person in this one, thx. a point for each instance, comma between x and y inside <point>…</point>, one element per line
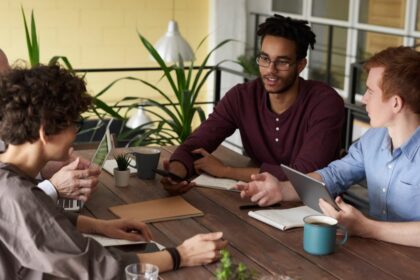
<point>73,178</point>
<point>38,120</point>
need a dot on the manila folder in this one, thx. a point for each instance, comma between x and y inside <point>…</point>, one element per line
<point>170,208</point>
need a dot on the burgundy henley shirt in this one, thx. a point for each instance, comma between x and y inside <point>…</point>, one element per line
<point>305,137</point>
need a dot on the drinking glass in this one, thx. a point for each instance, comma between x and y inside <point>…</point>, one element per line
<point>141,271</point>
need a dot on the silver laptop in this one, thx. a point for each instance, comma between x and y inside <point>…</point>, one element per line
<point>309,189</point>
<point>101,154</point>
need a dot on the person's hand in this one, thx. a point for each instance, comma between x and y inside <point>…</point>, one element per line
<point>351,218</point>
<point>201,249</point>
<point>128,229</point>
<point>174,187</point>
<point>76,180</point>
<point>53,166</point>
<point>209,164</point>
<point>264,189</point>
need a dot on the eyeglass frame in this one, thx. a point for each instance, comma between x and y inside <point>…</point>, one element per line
<point>79,124</point>
<point>280,65</point>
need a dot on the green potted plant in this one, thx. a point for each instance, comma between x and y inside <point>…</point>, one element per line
<point>174,116</point>
<point>228,270</point>
<point>122,172</point>
<point>100,109</point>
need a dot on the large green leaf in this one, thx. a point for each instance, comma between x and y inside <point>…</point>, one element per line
<point>31,39</point>
<point>35,44</point>
<point>204,63</point>
<point>176,116</point>
<point>99,104</point>
<point>152,51</point>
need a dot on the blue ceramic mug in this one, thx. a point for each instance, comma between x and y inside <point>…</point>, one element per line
<point>319,235</point>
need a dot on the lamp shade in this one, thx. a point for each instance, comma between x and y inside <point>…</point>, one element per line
<point>172,45</point>
<point>138,118</point>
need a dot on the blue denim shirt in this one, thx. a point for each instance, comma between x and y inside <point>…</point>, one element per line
<point>393,177</point>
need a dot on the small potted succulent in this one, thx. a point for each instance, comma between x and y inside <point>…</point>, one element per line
<point>122,172</point>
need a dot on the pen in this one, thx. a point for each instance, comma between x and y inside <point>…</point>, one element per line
<point>256,206</point>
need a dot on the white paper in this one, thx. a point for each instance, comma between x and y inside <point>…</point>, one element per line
<point>205,180</point>
<point>284,219</point>
<point>107,241</point>
<point>110,164</point>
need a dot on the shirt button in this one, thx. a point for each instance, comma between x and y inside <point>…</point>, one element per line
<point>277,119</point>
<point>277,128</point>
<point>384,190</point>
<point>277,139</point>
<point>389,166</point>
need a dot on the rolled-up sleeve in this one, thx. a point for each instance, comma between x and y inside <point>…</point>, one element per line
<point>339,175</point>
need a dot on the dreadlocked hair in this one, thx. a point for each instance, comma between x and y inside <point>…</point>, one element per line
<point>292,29</point>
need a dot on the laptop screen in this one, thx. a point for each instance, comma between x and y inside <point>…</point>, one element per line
<point>104,148</point>
<point>102,151</point>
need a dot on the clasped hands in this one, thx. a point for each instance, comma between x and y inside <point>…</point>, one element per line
<point>75,178</point>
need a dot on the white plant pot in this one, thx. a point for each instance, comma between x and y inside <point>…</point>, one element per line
<point>121,177</point>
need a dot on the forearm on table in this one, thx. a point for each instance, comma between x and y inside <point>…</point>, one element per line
<point>404,233</point>
<point>87,224</point>
<point>162,259</point>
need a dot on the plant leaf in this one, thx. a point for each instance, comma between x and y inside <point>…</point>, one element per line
<point>152,51</point>
<point>28,38</point>
<point>35,45</point>
<point>203,64</point>
<point>201,114</point>
<point>55,59</point>
<point>106,108</point>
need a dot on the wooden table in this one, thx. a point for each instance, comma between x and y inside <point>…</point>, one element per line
<point>264,249</point>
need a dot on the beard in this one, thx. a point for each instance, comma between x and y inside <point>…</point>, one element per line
<point>285,83</point>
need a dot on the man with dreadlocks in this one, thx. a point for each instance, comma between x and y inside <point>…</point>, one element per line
<point>281,117</point>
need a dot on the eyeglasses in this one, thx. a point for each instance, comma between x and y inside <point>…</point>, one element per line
<point>78,124</point>
<point>282,65</point>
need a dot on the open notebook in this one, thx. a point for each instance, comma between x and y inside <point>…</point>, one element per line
<point>284,218</point>
<point>107,241</point>
<point>170,208</point>
<point>208,181</point>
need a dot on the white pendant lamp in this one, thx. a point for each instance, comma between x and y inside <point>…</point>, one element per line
<point>138,118</point>
<point>172,44</point>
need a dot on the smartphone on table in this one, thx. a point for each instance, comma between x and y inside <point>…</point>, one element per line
<point>169,174</point>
